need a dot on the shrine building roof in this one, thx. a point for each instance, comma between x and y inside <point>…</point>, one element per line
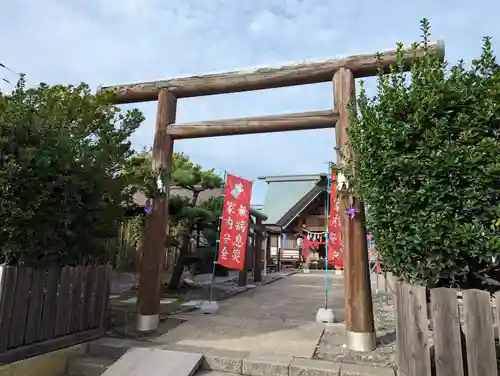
<point>287,194</point>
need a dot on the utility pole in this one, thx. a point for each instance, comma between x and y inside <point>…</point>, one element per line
<point>153,256</point>
<point>358,298</point>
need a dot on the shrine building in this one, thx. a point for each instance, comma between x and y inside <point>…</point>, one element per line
<point>296,207</point>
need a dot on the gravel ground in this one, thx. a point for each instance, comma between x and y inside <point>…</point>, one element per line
<point>332,344</point>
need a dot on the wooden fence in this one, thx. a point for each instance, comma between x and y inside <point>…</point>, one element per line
<point>42,310</point>
<point>448,336</point>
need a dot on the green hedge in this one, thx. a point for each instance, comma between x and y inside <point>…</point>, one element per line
<point>428,167</point>
<point>62,150</point>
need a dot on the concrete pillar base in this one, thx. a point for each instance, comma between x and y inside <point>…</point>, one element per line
<point>325,315</point>
<point>365,342</point>
<point>209,307</point>
<point>148,323</point>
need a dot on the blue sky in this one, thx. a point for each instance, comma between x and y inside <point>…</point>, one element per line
<point>111,42</point>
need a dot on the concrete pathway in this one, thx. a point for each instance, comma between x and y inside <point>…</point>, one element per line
<point>269,330</point>
<point>273,319</point>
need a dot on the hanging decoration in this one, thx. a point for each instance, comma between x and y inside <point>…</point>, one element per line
<point>351,212</point>
<point>312,239</point>
<point>312,234</point>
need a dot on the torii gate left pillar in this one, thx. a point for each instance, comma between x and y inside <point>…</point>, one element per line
<point>154,254</point>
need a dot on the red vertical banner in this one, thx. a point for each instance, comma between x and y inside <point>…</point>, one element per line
<point>334,229</point>
<point>234,224</point>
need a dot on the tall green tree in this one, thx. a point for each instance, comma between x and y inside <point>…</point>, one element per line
<point>428,166</point>
<point>62,150</point>
<point>189,219</point>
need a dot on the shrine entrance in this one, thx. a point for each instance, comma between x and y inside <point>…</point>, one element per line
<point>313,226</point>
<point>342,73</point>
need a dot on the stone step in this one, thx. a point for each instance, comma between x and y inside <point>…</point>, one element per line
<point>103,352</point>
<point>141,361</point>
<point>228,362</point>
<point>114,348</point>
<point>89,366</point>
<point>212,373</point>
<point>233,362</point>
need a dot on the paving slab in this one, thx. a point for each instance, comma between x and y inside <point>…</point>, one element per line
<point>362,370</point>
<point>309,367</point>
<point>114,348</point>
<point>274,319</point>
<point>224,360</point>
<point>263,365</point>
<point>295,297</point>
<point>88,366</point>
<point>270,336</point>
<point>212,373</point>
<point>155,362</point>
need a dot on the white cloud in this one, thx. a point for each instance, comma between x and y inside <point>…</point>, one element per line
<point>267,22</point>
<point>111,42</point>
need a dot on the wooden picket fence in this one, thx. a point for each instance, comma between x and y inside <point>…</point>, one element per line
<point>448,337</point>
<point>43,310</point>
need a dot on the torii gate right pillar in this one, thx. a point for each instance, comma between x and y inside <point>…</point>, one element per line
<point>358,298</point>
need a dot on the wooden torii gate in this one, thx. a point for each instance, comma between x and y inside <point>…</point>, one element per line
<point>343,71</point>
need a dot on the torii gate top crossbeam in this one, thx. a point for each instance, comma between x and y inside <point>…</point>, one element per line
<point>364,65</point>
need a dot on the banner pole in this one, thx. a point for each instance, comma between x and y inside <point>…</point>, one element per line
<point>328,194</point>
<point>217,246</point>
